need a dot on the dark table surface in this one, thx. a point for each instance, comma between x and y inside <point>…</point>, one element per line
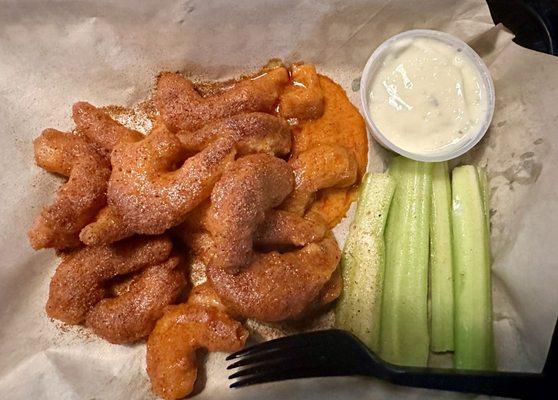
<point>534,22</point>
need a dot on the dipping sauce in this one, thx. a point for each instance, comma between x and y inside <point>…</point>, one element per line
<point>427,95</point>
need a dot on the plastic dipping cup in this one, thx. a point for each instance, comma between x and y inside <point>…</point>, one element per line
<point>444,153</point>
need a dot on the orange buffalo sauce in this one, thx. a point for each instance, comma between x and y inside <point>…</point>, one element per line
<point>341,125</point>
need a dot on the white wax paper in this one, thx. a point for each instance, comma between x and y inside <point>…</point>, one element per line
<point>54,53</point>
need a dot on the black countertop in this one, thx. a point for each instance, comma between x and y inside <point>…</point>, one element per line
<point>534,22</point>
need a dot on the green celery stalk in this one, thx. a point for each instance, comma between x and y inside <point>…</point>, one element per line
<point>473,331</point>
<point>485,194</point>
<point>404,335</point>
<point>441,269</point>
<point>362,261</point>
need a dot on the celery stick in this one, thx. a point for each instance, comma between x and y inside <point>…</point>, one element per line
<point>404,328</point>
<point>473,335</point>
<point>394,171</point>
<point>485,194</point>
<point>441,270</point>
<point>359,307</point>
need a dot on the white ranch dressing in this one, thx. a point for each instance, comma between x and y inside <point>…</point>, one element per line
<point>427,95</point>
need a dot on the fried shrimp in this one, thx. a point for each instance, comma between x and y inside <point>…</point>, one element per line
<point>80,280</point>
<point>239,201</point>
<point>171,348</point>
<point>252,132</point>
<point>277,286</point>
<point>147,194</point>
<point>100,128</point>
<point>266,286</point>
<point>182,107</point>
<point>79,199</point>
<point>320,167</point>
<point>108,227</point>
<point>284,229</point>
<point>250,174</point>
<point>329,293</point>
<point>279,229</point>
<point>133,314</point>
<point>304,98</point>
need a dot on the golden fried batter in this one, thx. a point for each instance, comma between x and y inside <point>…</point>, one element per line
<point>108,227</point>
<point>100,128</point>
<point>332,289</point>
<point>80,280</point>
<point>184,328</point>
<point>204,295</point>
<point>303,99</point>
<point>182,108</point>
<point>270,286</point>
<point>132,315</point>
<point>274,286</point>
<point>260,224</point>
<point>329,293</point>
<point>252,132</point>
<point>284,229</point>
<point>79,199</point>
<point>147,194</point>
<point>320,167</point>
<point>250,187</point>
<point>279,229</point>
<point>195,221</point>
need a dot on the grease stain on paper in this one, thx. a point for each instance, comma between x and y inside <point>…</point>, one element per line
<point>526,172</point>
<point>355,84</point>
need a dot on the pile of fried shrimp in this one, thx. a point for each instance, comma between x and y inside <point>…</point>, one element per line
<point>247,179</point>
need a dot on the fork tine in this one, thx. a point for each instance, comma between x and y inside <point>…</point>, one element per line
<point>274,376</point>
<point>322,353</point>
<point>278,353</point>
<point>294,341</point>
<point>287,362</point>
<point>315,355</point>
<point>258,357</point>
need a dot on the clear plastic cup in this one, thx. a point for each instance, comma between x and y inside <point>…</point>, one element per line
<point>375,61</point>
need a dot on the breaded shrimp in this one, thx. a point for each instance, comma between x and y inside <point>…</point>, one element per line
<point>108,227</point>
<point>252,132</point>
<point>303,99</point>
<point>320,167</point>
<point>80,280</point>
<point>284,229</point>
<point>329,293</point>
<point>132,315</point>
<point>266,286</point>
<point>182,108</point>
<point>205,296</point>
<point>100,128</point>
<point>147,194</point>
<point>184,328</point>
<point>277,286</point>
<point>279,229</point>
<point>332,289</point>
<point>79,199</point>
<point>250,187</point>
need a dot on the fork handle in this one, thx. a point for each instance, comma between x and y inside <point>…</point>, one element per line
<point>504,384</point>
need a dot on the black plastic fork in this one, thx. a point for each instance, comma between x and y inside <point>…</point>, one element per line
<point>338,353</point>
